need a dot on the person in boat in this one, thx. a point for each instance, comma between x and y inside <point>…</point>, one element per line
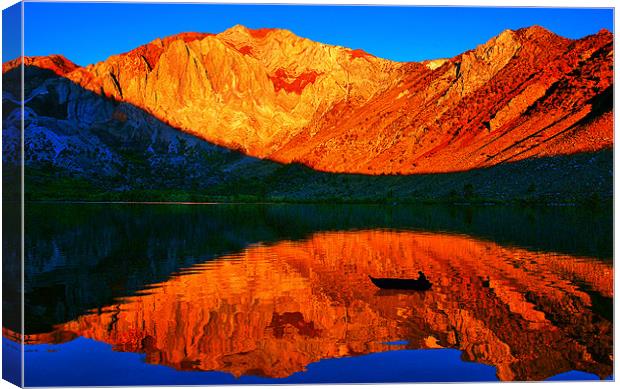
<point>422,283</point>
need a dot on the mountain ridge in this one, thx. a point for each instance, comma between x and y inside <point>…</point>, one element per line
<point>269,94</point>
<point>458,85</point>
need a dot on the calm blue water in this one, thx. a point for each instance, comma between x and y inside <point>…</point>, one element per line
<point>243,294</point>
<point>82,362</point>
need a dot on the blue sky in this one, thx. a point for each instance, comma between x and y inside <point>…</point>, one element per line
<point>90,32</point>
<point>11,32</point>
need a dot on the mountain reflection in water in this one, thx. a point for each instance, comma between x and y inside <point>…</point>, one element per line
<point>274,308</point>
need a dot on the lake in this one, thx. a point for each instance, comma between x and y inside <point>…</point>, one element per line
<point>125,294</point>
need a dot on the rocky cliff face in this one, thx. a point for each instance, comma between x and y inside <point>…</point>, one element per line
<point>250,90</point>
<point>271,94</point>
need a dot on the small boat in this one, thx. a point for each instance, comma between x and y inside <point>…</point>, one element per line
<point>422,283</point>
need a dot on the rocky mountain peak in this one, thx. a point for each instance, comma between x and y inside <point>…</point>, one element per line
<point>243,32</point>
<point>55,62</point>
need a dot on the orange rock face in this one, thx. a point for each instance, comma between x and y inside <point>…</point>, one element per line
<point>295,84</point>
<point>272,310</point>
<point>56,63</point>
<point>251,90</point>
<point>524,94</point>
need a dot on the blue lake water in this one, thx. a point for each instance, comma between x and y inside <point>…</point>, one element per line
<point>256,294</point>
<point>93,361</point>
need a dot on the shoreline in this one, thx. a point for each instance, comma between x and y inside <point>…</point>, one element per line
<point>439,202</point>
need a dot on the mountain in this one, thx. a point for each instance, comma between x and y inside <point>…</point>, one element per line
<point>525,93</point>
<point>251,90</point>
<point>235,101</point>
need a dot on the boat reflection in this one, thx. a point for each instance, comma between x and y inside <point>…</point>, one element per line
<point>273,309</point>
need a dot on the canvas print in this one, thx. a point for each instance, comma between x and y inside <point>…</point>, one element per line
<point>209,194</point>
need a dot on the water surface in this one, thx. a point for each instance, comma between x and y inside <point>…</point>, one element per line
<point>208,294</point>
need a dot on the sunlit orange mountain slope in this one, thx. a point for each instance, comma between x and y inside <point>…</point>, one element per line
<point>272,94</point>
